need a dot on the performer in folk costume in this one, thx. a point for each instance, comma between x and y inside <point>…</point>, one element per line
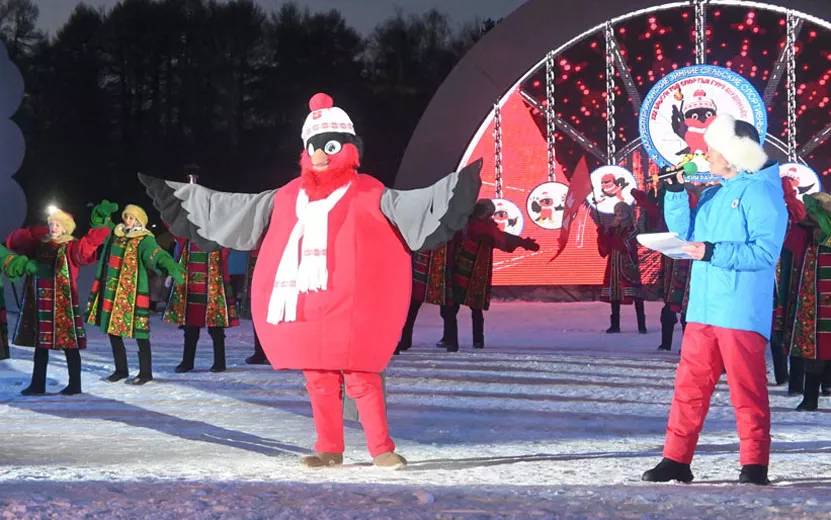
<point>119,303</point>
<point>788,271</point>
<point>737,231</point>
<point>332,283</point>
<point>13,266</point>
<point>811,339</point>
<point>431,284</point>
<point>205,299</point>
<point>622,279</point>
<point>676,273</point>
<point>50,317</point>
<point>473,271</point>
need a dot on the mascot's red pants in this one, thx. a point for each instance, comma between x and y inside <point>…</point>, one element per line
<point>325,391</point>
<point>705,351</point>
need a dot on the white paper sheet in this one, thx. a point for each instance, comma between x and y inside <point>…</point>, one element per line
<point>666,243</point>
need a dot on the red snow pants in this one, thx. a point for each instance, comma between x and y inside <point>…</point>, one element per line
<point>325,392</point>
<point>705,351</point>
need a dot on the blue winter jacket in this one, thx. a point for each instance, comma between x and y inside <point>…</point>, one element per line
<point>745,219</point>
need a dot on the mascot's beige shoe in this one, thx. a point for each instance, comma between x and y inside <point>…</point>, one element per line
<point>390,460</point>
<point>322,460</point>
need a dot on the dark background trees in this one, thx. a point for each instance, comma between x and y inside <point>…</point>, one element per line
<point>152,85</point>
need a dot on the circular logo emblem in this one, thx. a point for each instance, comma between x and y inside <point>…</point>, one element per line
<point>508,216</point>
<point>546,203</point>
<point>610,186</point>
<point>807,180</point>
<point>683,104</point>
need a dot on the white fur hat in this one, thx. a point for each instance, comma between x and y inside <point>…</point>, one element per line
<point>325,117</point>
<point>743,153</point>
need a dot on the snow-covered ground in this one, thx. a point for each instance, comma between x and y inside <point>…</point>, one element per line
<point>552,419</point>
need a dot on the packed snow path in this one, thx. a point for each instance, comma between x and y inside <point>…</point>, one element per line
<point>552,419</point>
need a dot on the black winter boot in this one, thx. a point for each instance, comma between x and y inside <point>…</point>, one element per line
<point>668,470</point>
<point>826,380</point>
<point>810,399</point>
<point>38,384</point>
<point>641,314</point>
<point>258,358</point>
<point>780,359</point>
<point>796,377</point>
<point>668,320</point>
<point>73,365</point>
<point>189,354</point>
<point>145,374</point>
<point>754,474</point>
<point>119,359</point>
<point>218,337</point>
<point>615,319</point>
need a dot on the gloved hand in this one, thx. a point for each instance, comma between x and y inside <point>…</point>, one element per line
<point>32,267</point>
<point>530,244</point>
<point>102,212</point>
<point>168,281</point>
<point>173,269</point>
<point>98,235</point>
<point>18,266</point>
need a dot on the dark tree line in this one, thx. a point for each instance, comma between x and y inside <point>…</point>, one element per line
<point>152,85</point>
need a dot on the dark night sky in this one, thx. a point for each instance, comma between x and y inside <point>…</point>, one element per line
<point>361,14</point>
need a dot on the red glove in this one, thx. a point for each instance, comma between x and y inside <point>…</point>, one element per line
<point>98,235</point>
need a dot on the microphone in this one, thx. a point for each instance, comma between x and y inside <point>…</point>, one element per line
<point>689,168</point>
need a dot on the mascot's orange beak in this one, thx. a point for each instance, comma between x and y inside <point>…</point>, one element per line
<point>320,161</point>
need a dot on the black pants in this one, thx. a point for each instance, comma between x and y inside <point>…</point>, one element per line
<point>144,356</point>
<point>192,338</point>
<point>41,361</point>
<point>451,327</point>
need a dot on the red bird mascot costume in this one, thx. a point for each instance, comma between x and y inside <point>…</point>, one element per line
<point>332,284</point>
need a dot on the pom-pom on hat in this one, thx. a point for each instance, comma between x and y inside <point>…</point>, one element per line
<point>63,218</point>
<point>325,117</point>
<point>738,142</point>
<point>137,212</point>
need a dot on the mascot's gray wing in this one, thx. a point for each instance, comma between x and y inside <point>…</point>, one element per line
<point>429,217</point>
<point>211,219</point>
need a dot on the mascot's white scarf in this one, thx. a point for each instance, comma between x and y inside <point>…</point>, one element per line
<point>309,273</point>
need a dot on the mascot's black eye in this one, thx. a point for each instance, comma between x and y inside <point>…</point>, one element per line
<point>709,114</point>
<point>695,116</point>
<point>311,149</point>
<point>332,147</point>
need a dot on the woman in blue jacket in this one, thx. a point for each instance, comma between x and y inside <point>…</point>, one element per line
<point>736,235</point>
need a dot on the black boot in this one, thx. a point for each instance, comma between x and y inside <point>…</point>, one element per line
<point>810,399</point>
<point>145,374</point>
<point>478,328</point>
<point>119,358</point>
<point>38,384</point>
<point>826,380</point>
<point>189,354</point>
<point>754,474</point>
<point>668,320</point>
<point>218,337</point>
<point>73,365</point>
<point>641,314</point>
<point>406,342</point>
<point>258,358</point>
<point>450,338</point>
<point>796,377</point>
<point>615,319</point>
<point>780,359</point>
<point>668,470</point>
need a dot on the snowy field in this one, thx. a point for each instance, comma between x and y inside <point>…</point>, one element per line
<point>553,419</point>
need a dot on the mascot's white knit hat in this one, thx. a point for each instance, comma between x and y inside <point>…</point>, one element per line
<point>738,142</point>
<point>325,117</point>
